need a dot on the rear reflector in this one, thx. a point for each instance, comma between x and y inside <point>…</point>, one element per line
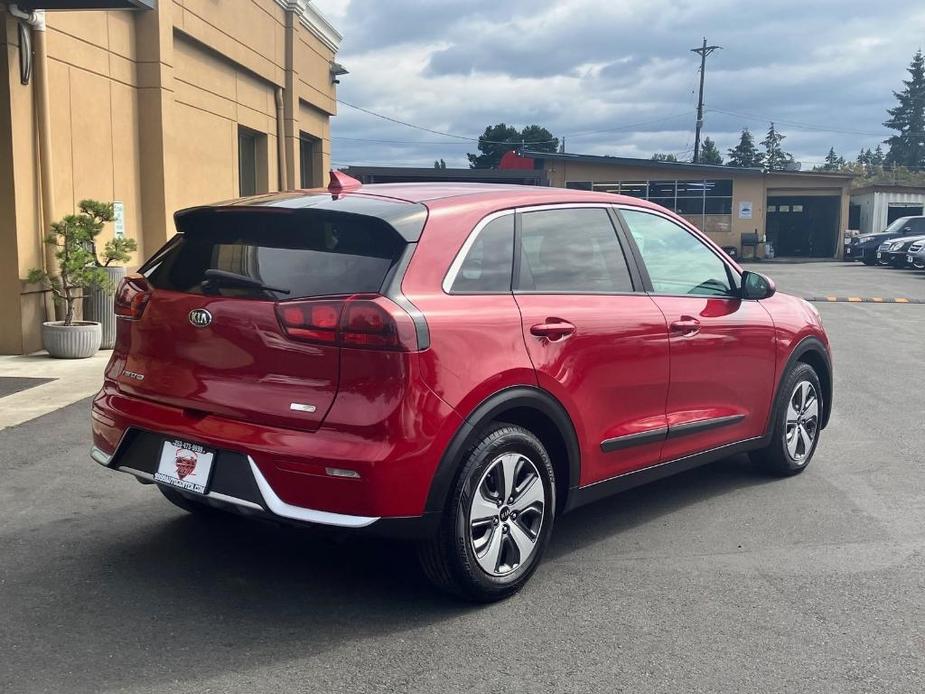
<point>341,472</point>
<point>132,297</point>
<point>362,321</point>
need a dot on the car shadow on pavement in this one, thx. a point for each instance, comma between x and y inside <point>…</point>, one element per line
<point>158,597</point>
<point>612,515</point>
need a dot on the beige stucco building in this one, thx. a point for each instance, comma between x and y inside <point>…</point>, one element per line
<point>798,213</point>
<point>157,109</point>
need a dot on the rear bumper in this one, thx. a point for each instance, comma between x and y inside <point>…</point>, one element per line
<point>273,473</point>
<point>265,505</point>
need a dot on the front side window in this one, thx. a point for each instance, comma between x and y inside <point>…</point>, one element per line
<point>573,251</point>
<point>677,261</point>
<point>486,268</point>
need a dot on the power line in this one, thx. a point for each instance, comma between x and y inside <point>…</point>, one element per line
<point>795,124</point>
<point>628,126</point>
<point>467,138</point>
<point>401,122</point>
<point>435,132</point>
<point>401,142</point>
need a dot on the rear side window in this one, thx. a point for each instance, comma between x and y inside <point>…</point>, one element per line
<point>272,255</point>
<point>486,269</point>
<point>573,251</point>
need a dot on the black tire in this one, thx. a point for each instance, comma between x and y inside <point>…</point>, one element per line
<point>787,453</point>
<point>450,560</point>
<point>188,505</point>
<point>868,261</point>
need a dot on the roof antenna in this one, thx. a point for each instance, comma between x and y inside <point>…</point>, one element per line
<point>342,183</point>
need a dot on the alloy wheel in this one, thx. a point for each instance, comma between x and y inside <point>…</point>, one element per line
<point>506,514</point>
<point>802,421</point>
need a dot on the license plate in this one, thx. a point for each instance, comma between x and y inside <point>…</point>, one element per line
<point>185,465</point>
<point>879,254</point>
<point>909,259</point>
<point>847,251</point>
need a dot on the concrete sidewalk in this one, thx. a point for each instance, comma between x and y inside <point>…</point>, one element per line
<point>35,384</point>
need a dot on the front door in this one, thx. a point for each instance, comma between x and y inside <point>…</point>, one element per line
<point>598,345</point>
<point>722,346</point>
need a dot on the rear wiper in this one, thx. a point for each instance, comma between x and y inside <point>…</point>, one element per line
<point>232,279</point>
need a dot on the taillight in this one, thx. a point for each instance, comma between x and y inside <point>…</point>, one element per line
<point>313,321</point>
<point>132,297</point>
<point>362,321</point>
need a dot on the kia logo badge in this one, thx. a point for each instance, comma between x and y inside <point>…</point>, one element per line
<point>200,317</point>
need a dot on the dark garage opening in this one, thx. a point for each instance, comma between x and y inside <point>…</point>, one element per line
<point>894,212</point>
<point>803,225</point>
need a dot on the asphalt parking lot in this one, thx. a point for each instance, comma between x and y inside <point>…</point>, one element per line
<point>720,579</point>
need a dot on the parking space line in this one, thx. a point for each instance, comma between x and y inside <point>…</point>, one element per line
<point>863,300</point>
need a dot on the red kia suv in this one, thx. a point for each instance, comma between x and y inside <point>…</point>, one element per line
<point>453,363</point>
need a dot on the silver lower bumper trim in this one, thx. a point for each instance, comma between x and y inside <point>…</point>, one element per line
<point>281,508</point>
<point>272,501</point>
<point>99,456</point>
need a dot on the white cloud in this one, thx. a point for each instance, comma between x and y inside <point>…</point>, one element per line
<point>584,65</point>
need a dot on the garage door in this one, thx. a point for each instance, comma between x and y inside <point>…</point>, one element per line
<point>894,211</point>
<point>803,226</point>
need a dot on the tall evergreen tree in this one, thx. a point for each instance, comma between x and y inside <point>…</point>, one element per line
<point>907,147</point>
<point>877,157</point>
<point>775,158</point>
<point>833,162</point>
<point>709,153</point>
<point>745,154</point>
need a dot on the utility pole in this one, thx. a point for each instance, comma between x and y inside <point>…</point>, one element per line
<point>703,51</point>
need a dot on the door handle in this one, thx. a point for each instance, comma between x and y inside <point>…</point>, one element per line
<point>553,329</point>
<point>686,326</point>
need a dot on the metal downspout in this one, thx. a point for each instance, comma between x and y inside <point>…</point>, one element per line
<point>281,141</point>
<point>36,20</point>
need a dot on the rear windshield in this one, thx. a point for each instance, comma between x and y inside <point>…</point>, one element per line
<point>272,255</point>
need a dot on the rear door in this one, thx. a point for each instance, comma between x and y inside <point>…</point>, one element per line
<point>722,347</point>
<point>211,342</point>
<point>596,343</point>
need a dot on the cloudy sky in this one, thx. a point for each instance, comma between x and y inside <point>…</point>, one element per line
<point>616,76</point>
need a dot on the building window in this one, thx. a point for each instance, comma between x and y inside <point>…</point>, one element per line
<point>706,203</point>
<point>252,162</point>
<point>310,172</point>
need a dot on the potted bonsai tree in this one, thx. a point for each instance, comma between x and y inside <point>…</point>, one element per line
<point>100,300</point>
<point>73,237</point>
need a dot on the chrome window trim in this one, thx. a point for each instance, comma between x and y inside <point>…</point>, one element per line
<point>461,254</point>
<point>473,236</point>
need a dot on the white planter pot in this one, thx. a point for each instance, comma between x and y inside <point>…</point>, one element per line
<point>77,341</point>
<point>100,307</point>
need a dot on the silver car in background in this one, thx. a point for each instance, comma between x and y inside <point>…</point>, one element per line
<point>915,255</point>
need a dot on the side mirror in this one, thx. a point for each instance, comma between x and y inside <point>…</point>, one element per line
<point>757,286</point>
